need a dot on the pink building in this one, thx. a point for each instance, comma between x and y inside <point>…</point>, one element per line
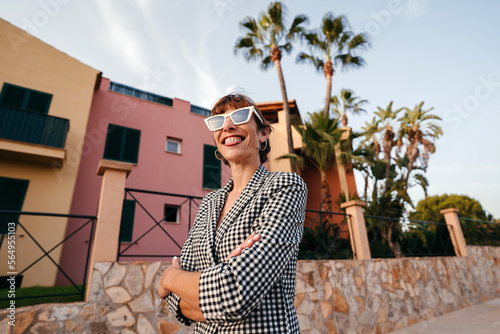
<point>173,152</point>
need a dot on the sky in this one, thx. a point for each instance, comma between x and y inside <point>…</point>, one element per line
<point>444,53</point>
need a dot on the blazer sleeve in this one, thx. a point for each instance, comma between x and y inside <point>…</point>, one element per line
<point>187,262</point>
<point>230,290</point>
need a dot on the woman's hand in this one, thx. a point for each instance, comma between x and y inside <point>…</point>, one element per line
<point>246,244</point>
<point>167,276</point>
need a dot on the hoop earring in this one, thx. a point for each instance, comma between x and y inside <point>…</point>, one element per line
<point>265,146</point>
<point>218,155</point>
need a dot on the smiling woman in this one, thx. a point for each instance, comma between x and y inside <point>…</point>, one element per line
<point>237,269</point>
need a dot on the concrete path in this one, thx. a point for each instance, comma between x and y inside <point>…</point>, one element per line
<point>479,319</point>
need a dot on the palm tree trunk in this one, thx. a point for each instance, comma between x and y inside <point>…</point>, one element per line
<point>326,198</point>
<point>412,156</point>
<point>286,109</point>
<point>366,186</point>
<point>328,70</point>
<point>326,111</point>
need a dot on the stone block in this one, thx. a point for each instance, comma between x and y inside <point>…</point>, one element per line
<point>340,302</point>
<point>118,295</point>
<point>44,328</point>
<point>23,321</point>
<point>142,304</point>
<point>304,322</point>
<point>326,309</point>
<point>89,312</point>
<point>64,312</point>
<point>166,327</point>
<point>306,307</point>
<point>144,326</point>
<point>121,317</point>
<point>150,273</point>
<point>99,327</point>
<point>103,267</point>
<point>115,275</point>
<point>134,279</point>
<point>72,326</point>
<point>96,292</point>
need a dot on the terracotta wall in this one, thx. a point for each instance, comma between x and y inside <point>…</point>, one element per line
<point>341,296</point>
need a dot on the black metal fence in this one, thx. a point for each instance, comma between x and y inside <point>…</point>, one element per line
<point>30,247</point>
<point>156,228</point>
<point>326,236</point>
<point>480,232</point>
<point>395,237</point>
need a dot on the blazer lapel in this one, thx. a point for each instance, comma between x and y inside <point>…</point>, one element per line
<point>246,195</point>
<point>214,209</point>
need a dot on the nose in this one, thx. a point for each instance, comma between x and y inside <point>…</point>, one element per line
<point>228,124</point>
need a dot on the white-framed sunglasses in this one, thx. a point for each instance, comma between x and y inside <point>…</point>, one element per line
<point>239,116</point>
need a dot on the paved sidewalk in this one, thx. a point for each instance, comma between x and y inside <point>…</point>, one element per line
<point>479,319</point>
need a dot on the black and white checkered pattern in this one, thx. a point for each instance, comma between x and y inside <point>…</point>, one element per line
<point>253,292</point>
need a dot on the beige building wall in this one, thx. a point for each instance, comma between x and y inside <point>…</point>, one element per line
<point>30,63</point>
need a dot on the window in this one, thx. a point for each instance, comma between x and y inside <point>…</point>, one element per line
<point>24,98</point>
<point>12,193</point>
<point>173,145</point>
<point>122,144</point>
<point>211,168</point>
<point>127,221</point>
<point>171,214</point>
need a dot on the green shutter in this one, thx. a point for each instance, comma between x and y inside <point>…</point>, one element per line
<point>122,144</point>
<point>12,193</point>
<point>24,98</point>
<point>211,168</point>
<point>127,221</point>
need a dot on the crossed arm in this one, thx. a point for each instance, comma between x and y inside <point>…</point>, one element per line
<point>186,283</point>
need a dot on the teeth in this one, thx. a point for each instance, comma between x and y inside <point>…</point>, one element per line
<point>230,140</point>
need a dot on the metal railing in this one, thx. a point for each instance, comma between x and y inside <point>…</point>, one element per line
<point>200,111</point>
<point>32,127</point>
<point>395,237</point>
<point>326,236</point>
<point>140,94</point>
<point>151,232</point>
<point>480,232</point>
<point>45,246</point>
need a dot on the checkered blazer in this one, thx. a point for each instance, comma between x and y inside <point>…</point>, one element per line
<point>253,292</point>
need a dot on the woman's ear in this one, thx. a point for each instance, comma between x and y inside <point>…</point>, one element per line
<point>264,134</point>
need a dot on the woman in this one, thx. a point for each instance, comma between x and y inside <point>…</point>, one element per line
<point>237,269</point>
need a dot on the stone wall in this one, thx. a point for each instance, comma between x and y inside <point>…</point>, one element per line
<point>343,296</point>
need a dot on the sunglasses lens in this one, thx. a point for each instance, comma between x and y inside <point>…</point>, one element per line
<point>240,116</point>
<point>216,122</point>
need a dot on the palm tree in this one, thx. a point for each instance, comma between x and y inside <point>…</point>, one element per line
<point>320,137</point>
<point>347,101</point>
<point>417,128</point>
<point>385,120</point>
<point>264,40</point>
<point>337,45</point>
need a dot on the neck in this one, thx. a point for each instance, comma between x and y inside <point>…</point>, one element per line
<point>242,174</point>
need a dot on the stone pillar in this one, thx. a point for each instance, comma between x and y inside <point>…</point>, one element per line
<point>357,229</point>
<point>455,229</point>
<point>107,231</point>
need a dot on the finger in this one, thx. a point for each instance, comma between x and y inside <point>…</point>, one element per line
<point>235,252</point>
<point>250,237</point>
<point>175,262</point>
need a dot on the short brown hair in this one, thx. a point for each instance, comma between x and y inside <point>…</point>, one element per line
<point>237,101</point>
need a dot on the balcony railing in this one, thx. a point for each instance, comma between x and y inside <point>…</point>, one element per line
<point>32,127</point>
<point>140,94</point>
<point>200,111</point>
